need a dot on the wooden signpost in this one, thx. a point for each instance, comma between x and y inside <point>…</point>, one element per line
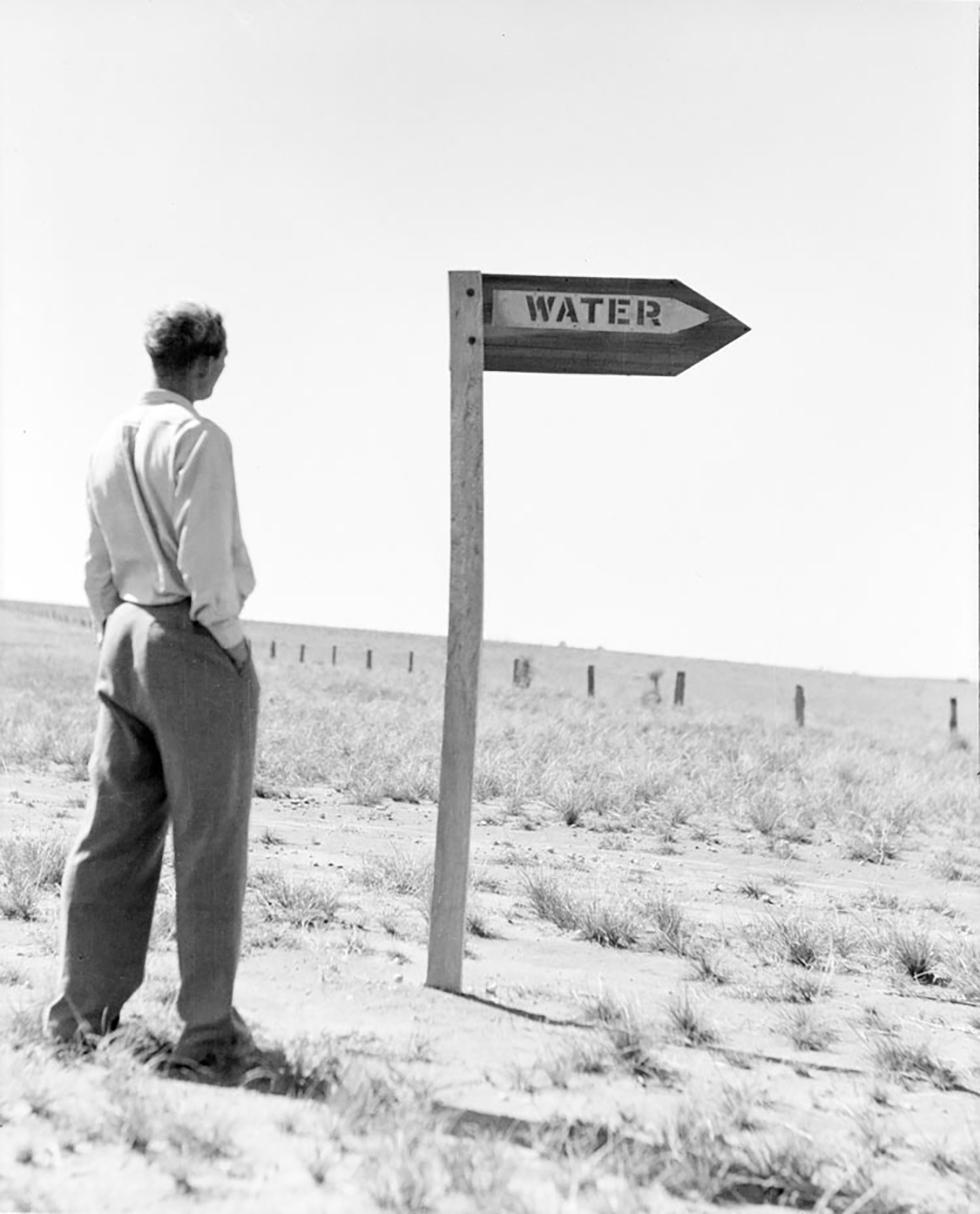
<point>595,326</point>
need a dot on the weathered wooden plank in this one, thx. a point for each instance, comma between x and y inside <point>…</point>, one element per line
<point>600,326</point>
<point>447,923</point>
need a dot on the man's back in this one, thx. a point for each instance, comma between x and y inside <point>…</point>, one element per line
<point>164,514</point>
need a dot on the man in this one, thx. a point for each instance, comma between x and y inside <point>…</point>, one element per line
<point>166,575</point>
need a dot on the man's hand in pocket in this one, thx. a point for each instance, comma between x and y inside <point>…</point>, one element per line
<point>239,655</point>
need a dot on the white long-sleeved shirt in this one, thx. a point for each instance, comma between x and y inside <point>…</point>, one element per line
<point>163,516</point>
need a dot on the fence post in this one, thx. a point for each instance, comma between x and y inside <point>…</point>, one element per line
<point>333,656</point>
<point>800,705</point>
<point>591,681</point>
<point>302,652</point>
<point>272,649</point>
<point>953,724</point>
<point>679,682</point>
<point>369,658</point>
<point>517,671</point>
<point>411,661</point>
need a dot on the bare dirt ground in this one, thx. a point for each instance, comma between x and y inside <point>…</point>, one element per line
<point>517,1044</point>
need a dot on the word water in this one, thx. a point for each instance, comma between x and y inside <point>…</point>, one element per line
<point>594,313</point>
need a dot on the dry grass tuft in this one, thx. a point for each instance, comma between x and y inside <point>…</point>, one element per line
<point>806,987</point>
<point>698,1156</point>
<point>795,938</point>
<point>399,873</point>
<point>552,899</point>
<point>687,1019</point>
<point>40,857</point>
<point>964,965</point>
<point>910,1062</point>
<point>751,888</point>
<point>611,922</point>
<point>631,1043</point>
<point>302,904</point>
<point>800,939</point>
<point>30,866</point>
<point>807,1031</point>
<point>12,974</point>
<point>706,966</point>
<point>917,952</point>
<point>741,1105</point>
<point>665,913</point>
<point>876,831</point>
<point>478,925</point>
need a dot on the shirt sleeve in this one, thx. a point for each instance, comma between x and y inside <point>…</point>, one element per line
<point>204,520</point>
<point>100,589</point>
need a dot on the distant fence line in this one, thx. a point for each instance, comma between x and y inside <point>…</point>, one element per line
<point>522,671</point>
<point>522,674</point>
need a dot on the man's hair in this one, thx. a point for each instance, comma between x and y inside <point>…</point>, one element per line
<point>176,336</point>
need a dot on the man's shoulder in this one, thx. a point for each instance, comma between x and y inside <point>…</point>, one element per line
<point>195,429</point>
<point>158,429</point>
<point>155,432</point>
<point>174,421</point>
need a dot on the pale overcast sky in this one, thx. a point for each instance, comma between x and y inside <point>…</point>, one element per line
<point>314,168</point>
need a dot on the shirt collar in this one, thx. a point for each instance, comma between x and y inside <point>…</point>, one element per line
<point>163,396</point>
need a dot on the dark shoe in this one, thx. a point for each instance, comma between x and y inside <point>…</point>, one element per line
<point>82,1033</point>
<point>228,1065</point>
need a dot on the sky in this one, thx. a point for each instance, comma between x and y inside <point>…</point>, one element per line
<point>806,496</point>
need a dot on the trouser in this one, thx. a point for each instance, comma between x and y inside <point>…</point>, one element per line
<point>174,743</point>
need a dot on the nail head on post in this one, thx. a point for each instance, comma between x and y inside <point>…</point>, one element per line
<point>470,292</point>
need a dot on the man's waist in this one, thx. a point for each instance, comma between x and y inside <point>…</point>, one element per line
<point>159,602</point>
<point>171,611</point>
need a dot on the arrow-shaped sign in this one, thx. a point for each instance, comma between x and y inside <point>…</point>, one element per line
<point>600,326</point>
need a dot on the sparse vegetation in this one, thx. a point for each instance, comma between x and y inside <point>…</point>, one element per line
<point>655,831</point>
